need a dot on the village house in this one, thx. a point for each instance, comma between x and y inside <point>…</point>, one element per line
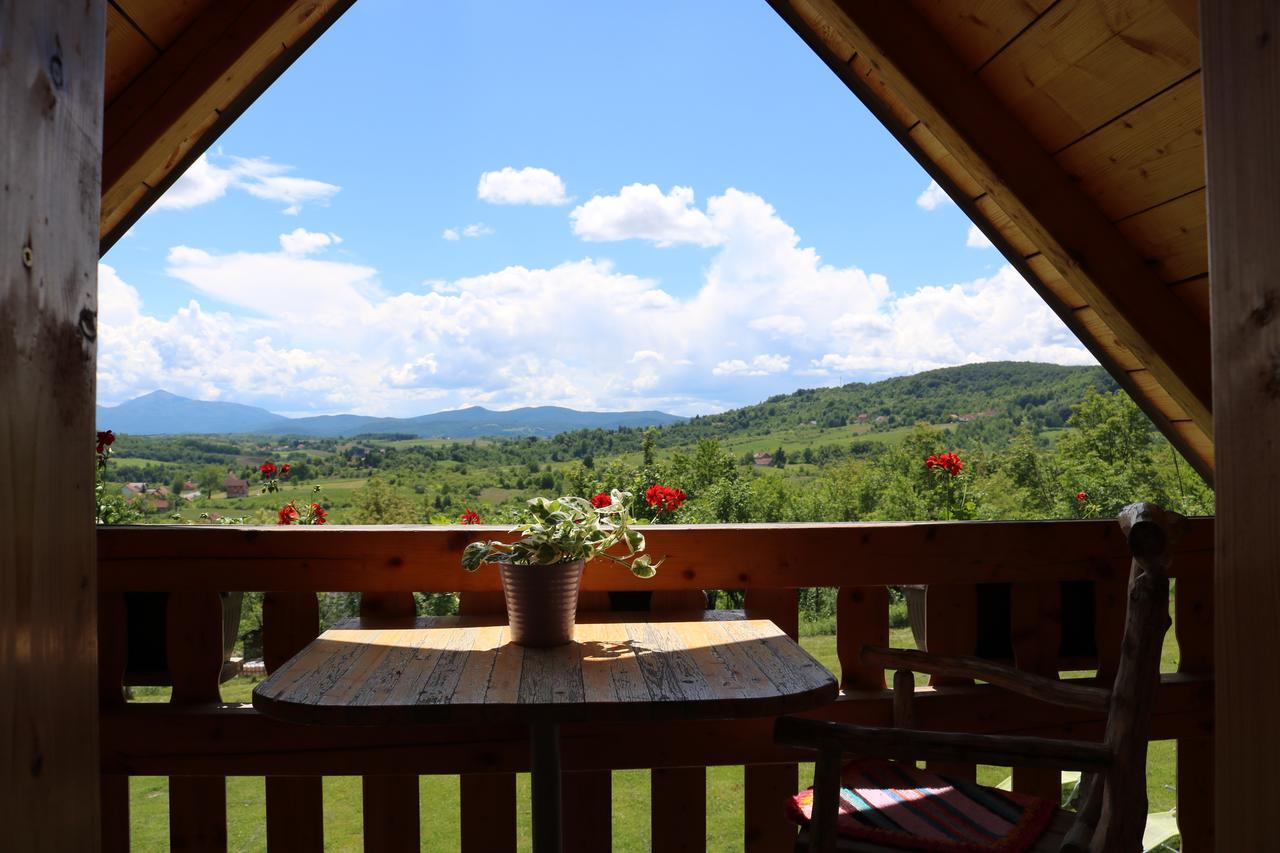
<point>235,487</point>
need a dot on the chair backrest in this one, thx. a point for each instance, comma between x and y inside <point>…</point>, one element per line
<point>1114,811</point>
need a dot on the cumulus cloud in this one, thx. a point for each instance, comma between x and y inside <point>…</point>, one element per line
<point>475,229</point>
<point>529,185</point>
<point>976,239</point>
<point>933,197</point>
<point>300,241</point>
<point>304,333</point>
<point>207,181</point>
<point>644,212</point>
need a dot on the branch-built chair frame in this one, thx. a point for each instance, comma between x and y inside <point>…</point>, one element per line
<point>1113,807</point>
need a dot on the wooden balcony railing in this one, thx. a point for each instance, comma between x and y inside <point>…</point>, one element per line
<point>197,741</point>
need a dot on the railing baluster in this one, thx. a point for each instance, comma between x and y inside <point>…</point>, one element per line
<point>1036,620</point>
<point>862,619</point>
<point>678,795</point>
<point>1110,602</point>
<point>767,786</point>
<point>391,803</point>
<point>295,804</point>
<point>193,633</point>
<point>1193,626</point>
<point>951,628</point>
<point>487,800</point>
<point>113,651</point>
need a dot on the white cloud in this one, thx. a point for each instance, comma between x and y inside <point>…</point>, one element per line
<point>475,229</point>
<point>207,181</point>
<point>643,212</point>
<point>933,197</point>
<point>761,365</point>
<point>303,333</point>
<point>529,185</point>
<point>976,239</point>
<point>300,241</point>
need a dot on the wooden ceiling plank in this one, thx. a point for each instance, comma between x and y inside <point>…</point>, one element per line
<point>1148,156</point>
<point>164,20</point>
<point>128,52</point>
<point>978,29</point>
<point>1153,391</point>
<point>1102,333</point>
<point>934,150</point>
<point>1173,237</point>
<point>1075,237</point>
<point>1194,292</point>
<point>996,215</point>
<point>1056,284</point>
<point>1084,63</point>
<point>180,103</point>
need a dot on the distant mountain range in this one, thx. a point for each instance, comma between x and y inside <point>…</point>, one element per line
<point>162,413</point>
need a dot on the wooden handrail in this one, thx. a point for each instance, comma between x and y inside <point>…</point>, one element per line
<point>774,556</point>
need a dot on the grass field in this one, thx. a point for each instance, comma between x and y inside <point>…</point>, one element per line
<point>439,798</point>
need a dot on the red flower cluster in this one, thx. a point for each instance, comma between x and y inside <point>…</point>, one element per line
<point>267,469</point>
<point>1082,497</point>
<point>288,514</point>
<point>601,500</point>
<point>284,469</point>
<point>318,513</point>
<point>665,498</point>
<point>469,516</point>
<point>106,438</point>
<point>948,462</point>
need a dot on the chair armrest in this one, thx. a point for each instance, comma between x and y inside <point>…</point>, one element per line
<point>959,747</point>
<point>1015,680</point>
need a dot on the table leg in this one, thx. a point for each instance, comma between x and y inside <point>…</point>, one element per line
<point>544,742</point>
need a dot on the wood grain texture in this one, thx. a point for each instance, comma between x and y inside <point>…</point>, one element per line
<point>461,669</point>
<point>862,619</point>
<point>391,823</point>
<point>951,628</point>
<point>1241,44</point>
<point>295,804</point>
<point>765,787</point>
<point>51,94</point>
<point>193,637</point>
<point>1036,621</point>
<point>351,558</point>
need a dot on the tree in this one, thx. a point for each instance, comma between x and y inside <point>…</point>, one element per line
<point>378,503</point>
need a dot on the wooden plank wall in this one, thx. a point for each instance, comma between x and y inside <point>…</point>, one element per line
<point>1241,42</point>
<point>51,82</point>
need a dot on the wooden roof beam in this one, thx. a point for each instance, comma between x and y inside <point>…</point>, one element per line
<point>1041,199</point>
<point>174,110</point>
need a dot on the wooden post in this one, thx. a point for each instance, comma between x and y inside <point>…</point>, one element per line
<point>51,82</point>
<point>767,786</point>
<point>1240,43</point>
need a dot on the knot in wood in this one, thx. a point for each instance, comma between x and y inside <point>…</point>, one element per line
<point>55,70</point>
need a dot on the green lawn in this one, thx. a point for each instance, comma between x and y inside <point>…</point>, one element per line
<point>246,815</point>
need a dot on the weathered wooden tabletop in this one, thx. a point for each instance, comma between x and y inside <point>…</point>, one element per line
<point>463,670</point>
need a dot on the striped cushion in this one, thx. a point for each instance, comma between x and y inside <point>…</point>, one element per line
<point>898,805</point>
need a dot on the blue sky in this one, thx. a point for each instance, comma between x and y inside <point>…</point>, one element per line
<point>673,205</point>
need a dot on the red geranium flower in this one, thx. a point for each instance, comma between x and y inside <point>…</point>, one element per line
<point>469,516</point>
<point>664,498</point>
<point>267,469</point>
<point>318,514</point>
<point>949,462</point>
<point>601,501</point>
<point>106,438</point>
<point>288,514</point>
<point>1081,497</point>
<point>284,469</point>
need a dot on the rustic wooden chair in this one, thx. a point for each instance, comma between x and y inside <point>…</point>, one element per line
<point>1113,807</point>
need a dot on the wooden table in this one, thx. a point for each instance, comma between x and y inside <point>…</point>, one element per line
<point>705,665</point>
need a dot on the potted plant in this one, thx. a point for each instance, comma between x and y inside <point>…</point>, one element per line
<point>542,570</point>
